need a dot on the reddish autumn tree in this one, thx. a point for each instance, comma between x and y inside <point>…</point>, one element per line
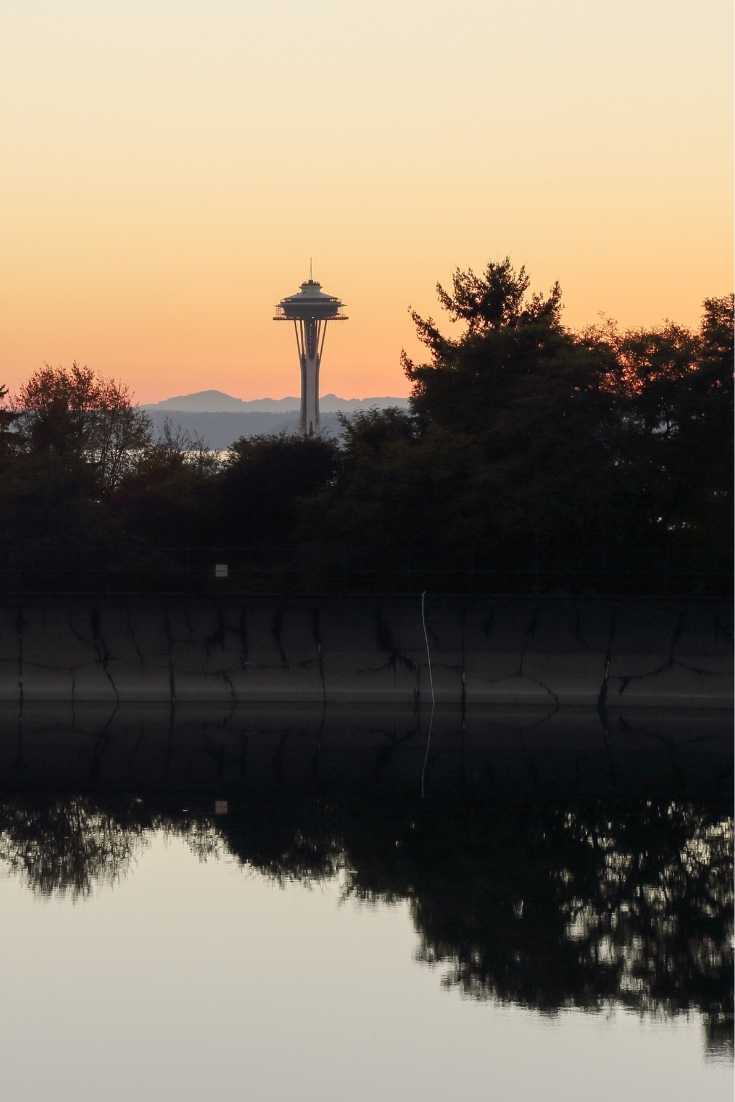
<point>81,421</point>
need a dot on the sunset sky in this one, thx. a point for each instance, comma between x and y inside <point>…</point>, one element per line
<point>168,169</point>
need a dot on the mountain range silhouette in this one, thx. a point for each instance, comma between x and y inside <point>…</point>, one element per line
<point>216,401</point>
<point>218,419</point>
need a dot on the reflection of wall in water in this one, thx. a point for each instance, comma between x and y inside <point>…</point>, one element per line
<point>517,753</point>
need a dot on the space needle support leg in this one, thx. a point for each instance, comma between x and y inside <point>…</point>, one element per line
<point>310,378</point>
<point>300,344</point>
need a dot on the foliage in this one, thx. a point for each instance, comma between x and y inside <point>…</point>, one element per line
<point>262,480</point>
<point>165,496</point>
<point>83,423</point>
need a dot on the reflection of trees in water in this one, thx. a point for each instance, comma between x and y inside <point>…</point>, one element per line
<point>303,843</point>
<point>66,847</point>
<point>578,909</point>
<point>69,847</point>
<point>547,907</point>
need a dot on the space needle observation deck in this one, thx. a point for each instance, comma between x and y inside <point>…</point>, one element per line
<point>310,309</point>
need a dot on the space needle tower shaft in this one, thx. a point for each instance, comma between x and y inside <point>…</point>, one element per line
<point>310,309</point>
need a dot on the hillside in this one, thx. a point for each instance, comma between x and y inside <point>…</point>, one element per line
<point>218,418</point>
<point>216,401</point>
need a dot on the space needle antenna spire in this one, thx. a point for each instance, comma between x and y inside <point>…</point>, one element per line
<point>310,309</point>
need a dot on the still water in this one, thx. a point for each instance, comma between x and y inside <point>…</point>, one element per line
<point>346,941</point>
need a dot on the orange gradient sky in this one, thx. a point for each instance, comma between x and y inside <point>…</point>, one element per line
<point>168,169</point>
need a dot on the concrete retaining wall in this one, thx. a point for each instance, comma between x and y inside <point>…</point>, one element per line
<point>543,652</point>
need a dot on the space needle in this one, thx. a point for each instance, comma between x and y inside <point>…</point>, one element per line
<point>310,309</point>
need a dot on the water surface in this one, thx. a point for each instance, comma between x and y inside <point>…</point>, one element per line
<point>278,933</point>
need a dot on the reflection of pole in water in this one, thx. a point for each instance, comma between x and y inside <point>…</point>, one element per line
<point>433,697</point>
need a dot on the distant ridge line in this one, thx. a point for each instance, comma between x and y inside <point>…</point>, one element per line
<point>217,401</point>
